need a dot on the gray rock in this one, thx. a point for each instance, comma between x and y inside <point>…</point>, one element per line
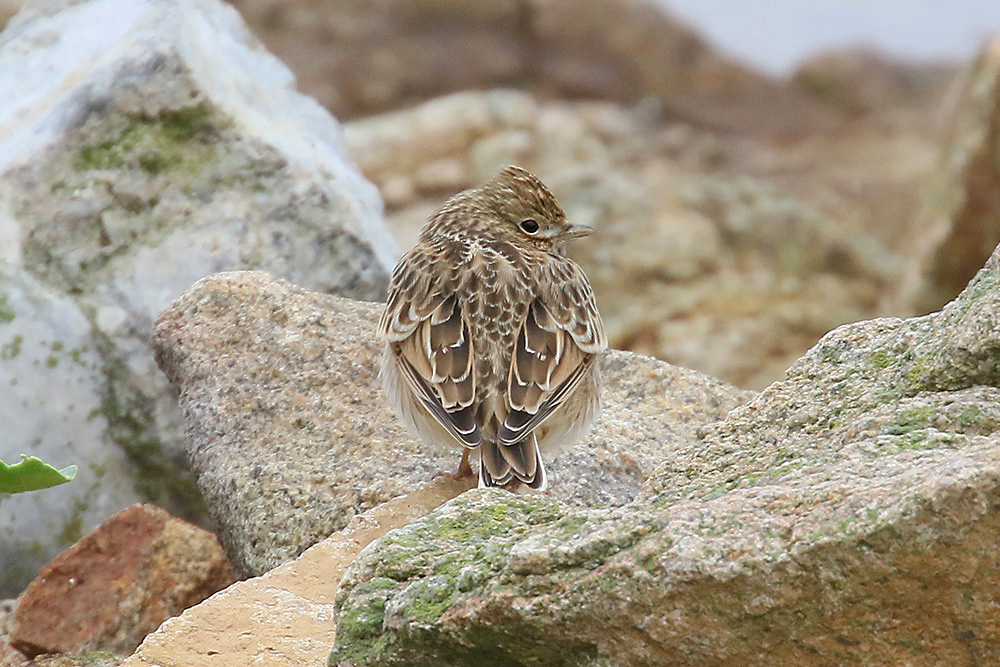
<point>847,514</point>
<point>863,81</point>
<point>162,147</point>
<point>960,221</point>
<point>290,436</point>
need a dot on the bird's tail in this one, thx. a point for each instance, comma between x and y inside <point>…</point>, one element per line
<point>499,464</point>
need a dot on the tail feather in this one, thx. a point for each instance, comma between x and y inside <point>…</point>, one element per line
<point>540,480</point>
<point>499,465</point>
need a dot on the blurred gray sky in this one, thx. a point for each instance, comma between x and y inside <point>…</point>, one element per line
<point>774,35</point>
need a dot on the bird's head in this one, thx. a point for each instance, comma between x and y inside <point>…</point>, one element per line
<point>513,207</point>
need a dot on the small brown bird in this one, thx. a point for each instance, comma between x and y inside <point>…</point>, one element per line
<point>492,333</point>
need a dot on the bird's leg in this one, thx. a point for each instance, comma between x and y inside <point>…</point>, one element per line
<point>464,469</point>
<point>514,485</point>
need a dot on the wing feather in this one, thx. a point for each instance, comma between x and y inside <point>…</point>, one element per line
<point>423,326</point>
<point>558,342</point>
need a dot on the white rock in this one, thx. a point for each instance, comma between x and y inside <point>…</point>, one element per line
<point>145,144</point>
<point>51,408</point>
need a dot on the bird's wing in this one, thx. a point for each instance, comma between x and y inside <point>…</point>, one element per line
<point>430,342</point>
<point>559,340</point>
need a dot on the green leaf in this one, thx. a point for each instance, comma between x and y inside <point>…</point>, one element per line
<point>32,474</point>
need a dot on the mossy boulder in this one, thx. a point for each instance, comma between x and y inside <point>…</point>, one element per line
<point>847,514</point>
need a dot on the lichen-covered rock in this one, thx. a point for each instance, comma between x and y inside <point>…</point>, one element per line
<point>134,160</point>
<point>290,435</point>
<point>848,513</point>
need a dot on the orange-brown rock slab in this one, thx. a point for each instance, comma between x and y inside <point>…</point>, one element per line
<point>10,656</point>
<point>119,583</point>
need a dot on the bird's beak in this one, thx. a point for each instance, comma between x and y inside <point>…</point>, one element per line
<point>576,232</point>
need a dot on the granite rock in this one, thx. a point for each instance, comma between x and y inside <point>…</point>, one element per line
<point>290,436</point>
<point>119,583</point>
<point>848,513</point>
<point>161,148</point>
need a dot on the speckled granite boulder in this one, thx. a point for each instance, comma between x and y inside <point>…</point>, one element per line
<point>135,159</point>
<point>849,514</point>
<point>290,436</point>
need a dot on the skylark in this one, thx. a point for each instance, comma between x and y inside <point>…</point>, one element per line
<point>492,333</point>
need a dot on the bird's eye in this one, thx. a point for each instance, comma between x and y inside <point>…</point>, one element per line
<point>529,226</point>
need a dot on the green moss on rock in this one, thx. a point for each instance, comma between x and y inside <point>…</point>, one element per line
<point>132,426</point>
<point>881,360</point>
<point>971,416</point>
<point>911,420</point>
<point>13,348</point>
<point>72,529</point>
<point>171,140</point>
<point>7,313</point>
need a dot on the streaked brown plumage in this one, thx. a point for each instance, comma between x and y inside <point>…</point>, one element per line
<point>492,333</point>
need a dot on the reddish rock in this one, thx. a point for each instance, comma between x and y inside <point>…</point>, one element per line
<point>89,659</point>
<point>116,585</point>
<point>10,656</point>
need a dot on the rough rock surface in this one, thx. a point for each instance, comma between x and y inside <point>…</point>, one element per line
<point>960,222</point>
<point>848,514</point>
<point>359,58</point>
<point>9,655</point>
<point>166,146</point>
<point>694,261</point>
<point>118,584</point>
<point>290,436</point>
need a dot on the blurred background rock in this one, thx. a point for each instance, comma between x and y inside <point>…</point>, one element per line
<point>749,197</point>
<point>746,204</point>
